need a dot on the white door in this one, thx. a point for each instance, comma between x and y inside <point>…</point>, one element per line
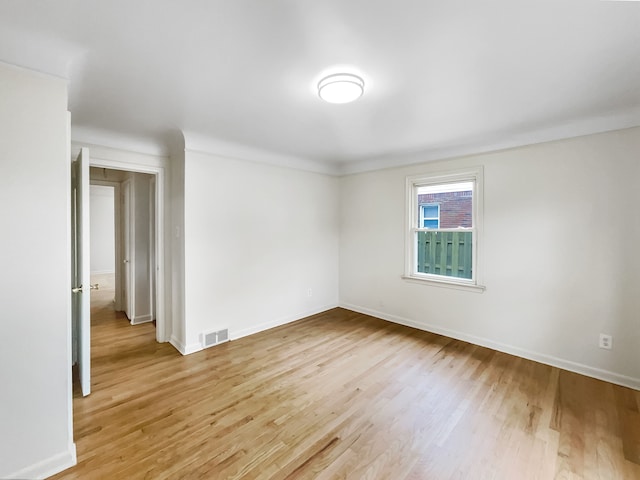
<point>80,269</point>
<point>126,249</point>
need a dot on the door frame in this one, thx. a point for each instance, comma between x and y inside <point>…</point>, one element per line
<point>152,244</point>
<point>128,260</point>
<point>162,332</point>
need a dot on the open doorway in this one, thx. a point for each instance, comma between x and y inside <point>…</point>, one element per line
<point>123,249</point>
<point>138,226</point>
<point>103,220</point>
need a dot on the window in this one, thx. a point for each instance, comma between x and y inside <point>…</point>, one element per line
<point>444,225</point>
<point>430,215</point>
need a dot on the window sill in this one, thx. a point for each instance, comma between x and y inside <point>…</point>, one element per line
<point>445,284</point>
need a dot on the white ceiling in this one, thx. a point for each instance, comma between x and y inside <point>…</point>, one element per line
<point>443,77</point>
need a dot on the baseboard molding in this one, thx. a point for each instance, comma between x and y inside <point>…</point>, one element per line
<point>234,335</point>
<point>185,349</point>
<point>103,272</point>
<point>569,365</point>
<point>48,467</point>
<point>141,319</point>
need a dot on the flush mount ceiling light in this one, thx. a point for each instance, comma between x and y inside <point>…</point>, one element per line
<point>340,88</point>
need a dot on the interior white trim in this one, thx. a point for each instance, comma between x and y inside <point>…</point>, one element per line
<point>128,242</point>
<point>495,143</point>
<point>204,144</point>
<point>102,272</point>
<point>485,144</point>
<point>564,364</point>
<point>234,335</point>
<point>152,249</point>
<point>473,174</point>
<point>121,158</point>
<point>50,466</point>
<point>137,320</point>
<point>444,283</point>
<point>134,143</point>
<point>196,347</point>
<point>185,349</point>
<point>106,157</point>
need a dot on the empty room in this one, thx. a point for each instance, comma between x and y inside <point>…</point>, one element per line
<point>320,240</point>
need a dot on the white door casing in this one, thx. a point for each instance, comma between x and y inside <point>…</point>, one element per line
<point>105,158</point>
<point>152,249</point>
<point>127,251</point>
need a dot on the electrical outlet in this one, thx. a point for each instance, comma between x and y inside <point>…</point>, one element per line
<point>606,341</point>
<point>309,293</point>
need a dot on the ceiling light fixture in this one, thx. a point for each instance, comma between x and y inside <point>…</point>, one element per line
<point>340,88</point>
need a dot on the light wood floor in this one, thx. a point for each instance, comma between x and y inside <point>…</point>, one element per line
<point>343,395</point>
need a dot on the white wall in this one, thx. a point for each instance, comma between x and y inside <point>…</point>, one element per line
<point>36,435</point>
<point>561,232</point>
<point>176,243</point>
<point>102,229</point>
<point>256,237</point>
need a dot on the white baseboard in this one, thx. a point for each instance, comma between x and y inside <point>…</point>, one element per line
<point>141,319</point>
<point>580,368</point>
<point>102,272</point>
<point>234,335</point>
<point>48,467</point>
<point>185,349</point>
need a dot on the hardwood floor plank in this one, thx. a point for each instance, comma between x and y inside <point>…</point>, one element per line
<point>341,395</point>
<point>629,422</point>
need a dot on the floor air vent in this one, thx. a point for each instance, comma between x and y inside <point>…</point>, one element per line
<point>214,338</point>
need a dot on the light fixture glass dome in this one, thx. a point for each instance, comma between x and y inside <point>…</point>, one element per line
<point>340,88</point>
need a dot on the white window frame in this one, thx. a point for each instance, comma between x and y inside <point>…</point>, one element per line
<point>423,218</point>
<point>412,227</point>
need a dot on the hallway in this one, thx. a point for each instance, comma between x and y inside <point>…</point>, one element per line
<point>111,333</point>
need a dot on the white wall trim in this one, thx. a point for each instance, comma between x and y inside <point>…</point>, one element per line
<point>474,174</point>
<point>129,220</point>
<point>152,247</point>
<point>487,144</point>
<point>107,157</point>
<point>50,466</point>
<point>142,319</point>
<point>196,347</point>
<point>96,139</point>
<point>102,272</point>
<point>582,369</point>
<point>234,335</point>
<point>185,349</point>
<point>93,137</point>
<point>204,144</point>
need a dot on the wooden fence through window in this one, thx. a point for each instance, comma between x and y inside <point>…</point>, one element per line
<point>445,253</point>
